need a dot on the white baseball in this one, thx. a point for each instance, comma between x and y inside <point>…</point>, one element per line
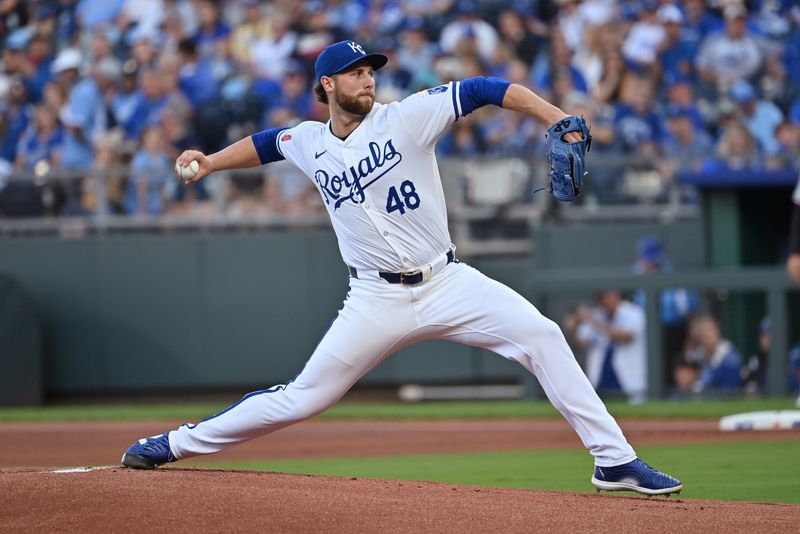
<point>189,171</point>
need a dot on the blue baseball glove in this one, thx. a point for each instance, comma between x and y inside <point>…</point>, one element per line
<point>567,166</point>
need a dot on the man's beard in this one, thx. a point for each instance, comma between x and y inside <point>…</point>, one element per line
<point>354,104</point>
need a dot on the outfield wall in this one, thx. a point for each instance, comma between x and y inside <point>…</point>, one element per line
<point>221,310</point>
<point>199,311</point>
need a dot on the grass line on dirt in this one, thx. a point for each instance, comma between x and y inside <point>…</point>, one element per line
<point>191,412</point>
<point>738,471</point>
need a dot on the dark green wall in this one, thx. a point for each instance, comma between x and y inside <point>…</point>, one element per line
<point>154,312</point>
<point>143,312</point>
<point>21,354</point>
<point>614,244</point>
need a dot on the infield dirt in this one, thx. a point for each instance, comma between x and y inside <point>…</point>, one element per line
<point>208,500</point>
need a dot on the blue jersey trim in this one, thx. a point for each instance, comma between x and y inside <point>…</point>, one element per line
<point>266,144</point>
<point>455,104</point>
<point>480,91</point>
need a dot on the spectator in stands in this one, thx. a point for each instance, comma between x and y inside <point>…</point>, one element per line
<point>271,53</point>
<point>39,63</point>
<point>142,16</point>
<point>736,150</point>
<point>560,64</point>
<point>790,60</point>
<point>516,35</point>
<point>212,29</point>
<point>464,139</point>
<point>614,336</point>
<point>676,305</point>
<point>711,363</point>
<point>467,25</point>
<point>610,83</point>
<point>571,23</point>
<point>86,114</point>
<point>43,141</point>
<point>528,136</point>
<point>699,22</point>
<point>754,371</point>
<point>675,52</point>
<point>151,171</point>
<point>178,137</point>
<point>144,51</point>
<point>15,116</point>
<point>102,189</point>
<point>152,100</point>
<point>736,54</point>
<point>392,80</point>
<point>93,13</point>
<point>640,49</point>
<point>787,135</point>
<point>254,27</point>
<point>760,116</point>
<point>15,64</point>
<point>638,127</point>
<point>195,78</point>
<point>685,144</point>
<point>588,59</point>
<point>416,55</point>
<point>103,40</point>
<point>681,95</point>
<point>54,95</point>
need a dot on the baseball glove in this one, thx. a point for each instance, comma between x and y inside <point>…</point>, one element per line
<point>566,158</point>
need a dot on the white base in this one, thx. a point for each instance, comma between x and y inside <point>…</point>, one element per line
<point>769,420</point>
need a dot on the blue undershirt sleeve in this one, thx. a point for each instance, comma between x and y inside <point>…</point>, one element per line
<point>266,144</point>
<point>480,91</point>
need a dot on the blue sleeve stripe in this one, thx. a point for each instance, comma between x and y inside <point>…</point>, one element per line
<point>455,99</point>
<point>480,91</point>
<point>266,144</point>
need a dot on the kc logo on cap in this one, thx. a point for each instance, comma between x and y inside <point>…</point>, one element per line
<point>339,56</point>
<point>357,48</point>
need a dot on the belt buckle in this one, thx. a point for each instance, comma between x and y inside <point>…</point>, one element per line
<point>426,271</point>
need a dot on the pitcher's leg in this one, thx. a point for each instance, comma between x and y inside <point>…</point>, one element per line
<point>323,381</point>
<point>494,317</point>
<point>365,332</point>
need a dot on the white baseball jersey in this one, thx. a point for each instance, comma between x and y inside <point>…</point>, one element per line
<point>381,184</point>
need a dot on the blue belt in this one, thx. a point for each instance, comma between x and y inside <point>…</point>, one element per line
<point>408,278</point>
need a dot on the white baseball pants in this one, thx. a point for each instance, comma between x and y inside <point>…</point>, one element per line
<point>458,304</point>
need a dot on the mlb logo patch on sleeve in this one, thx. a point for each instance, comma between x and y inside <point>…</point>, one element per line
<point>437,90</point>
<point>287,137</point>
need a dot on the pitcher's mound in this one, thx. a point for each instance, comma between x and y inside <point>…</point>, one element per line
<point>207,500</point>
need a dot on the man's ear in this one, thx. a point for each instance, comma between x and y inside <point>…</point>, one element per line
<point>327,83</point>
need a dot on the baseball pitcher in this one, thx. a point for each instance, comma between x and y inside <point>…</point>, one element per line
<point>376,171</point>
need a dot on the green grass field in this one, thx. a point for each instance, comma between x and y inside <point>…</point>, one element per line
<point>387,410</point>
<point>743,471</point>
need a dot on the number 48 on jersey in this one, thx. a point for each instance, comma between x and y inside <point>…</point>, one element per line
<point>410,198</point>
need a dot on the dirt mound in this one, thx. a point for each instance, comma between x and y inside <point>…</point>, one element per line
<point>112,499</point>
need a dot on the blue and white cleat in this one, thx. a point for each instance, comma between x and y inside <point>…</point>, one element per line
<point>148,453</point>
<point>635,476</point>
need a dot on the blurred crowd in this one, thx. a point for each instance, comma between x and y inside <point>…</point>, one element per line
<point>699,360</point>
<point>89,85</point>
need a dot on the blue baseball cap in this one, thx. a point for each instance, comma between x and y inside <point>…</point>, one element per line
<point>742,92</point>
<point>339,56</point>
<point>649,248</point>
